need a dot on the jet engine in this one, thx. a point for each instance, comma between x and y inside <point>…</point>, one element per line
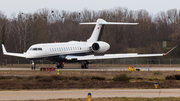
<point>100,47</point>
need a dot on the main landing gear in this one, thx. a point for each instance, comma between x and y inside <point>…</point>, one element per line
<point>33,65</point>
<point>84,64</point>
<point>60,65</point>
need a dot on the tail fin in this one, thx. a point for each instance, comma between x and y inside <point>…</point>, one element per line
<point>96,35</point>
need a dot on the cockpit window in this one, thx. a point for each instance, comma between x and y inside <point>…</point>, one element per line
<point>39,48</point>
<point>35,49</point>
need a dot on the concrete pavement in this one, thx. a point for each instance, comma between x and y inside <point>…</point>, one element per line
<point>103,68</point>
<point>96,93</point>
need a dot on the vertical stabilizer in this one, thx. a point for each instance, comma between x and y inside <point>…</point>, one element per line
<point>95,35</point>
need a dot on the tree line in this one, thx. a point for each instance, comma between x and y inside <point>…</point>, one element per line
<point>20,31</point>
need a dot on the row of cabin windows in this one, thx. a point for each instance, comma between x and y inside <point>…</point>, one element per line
<point>35,49</point>
<point>65,49</point>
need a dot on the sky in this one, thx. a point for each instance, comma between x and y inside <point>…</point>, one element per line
<point>8,7</point>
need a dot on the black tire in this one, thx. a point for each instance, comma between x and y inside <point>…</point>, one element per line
<point>137,69</point>
<point>82,66</point>
<point>58,65</point>
<point>86,66</point>
<point>62,66</point>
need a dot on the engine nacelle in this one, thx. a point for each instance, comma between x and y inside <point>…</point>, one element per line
<point>100,47</point>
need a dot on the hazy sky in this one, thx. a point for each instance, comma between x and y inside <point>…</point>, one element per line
<point>30,6</point>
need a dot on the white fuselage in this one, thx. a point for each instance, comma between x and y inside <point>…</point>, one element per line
<point>58,49</point>
<point>55,49</point>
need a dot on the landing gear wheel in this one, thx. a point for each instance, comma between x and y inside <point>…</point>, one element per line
<point>33,65</point>
<point>60,65</point>
<point>84,65</point>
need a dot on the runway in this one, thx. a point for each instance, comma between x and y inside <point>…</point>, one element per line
<point>102,68</point>
<point>37,95</point>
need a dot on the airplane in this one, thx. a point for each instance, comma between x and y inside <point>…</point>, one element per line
<point>77,51</point>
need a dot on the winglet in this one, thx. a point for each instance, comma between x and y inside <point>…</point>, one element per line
<point>3,48</point>
<point>12,54</point>
<point>170,50</point>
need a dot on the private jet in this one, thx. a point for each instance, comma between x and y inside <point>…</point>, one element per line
<point>77,51</point>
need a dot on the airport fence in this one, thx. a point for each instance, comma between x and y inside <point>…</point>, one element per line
<point>137,62</point>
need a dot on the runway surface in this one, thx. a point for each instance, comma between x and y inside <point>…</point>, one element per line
<point>37,95</point>
<point>103,68</point>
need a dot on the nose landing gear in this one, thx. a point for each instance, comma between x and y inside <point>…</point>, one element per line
<point>33,65</point>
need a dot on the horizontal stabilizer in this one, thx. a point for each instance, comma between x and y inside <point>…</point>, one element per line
<point>88,23</point>
<point>99,25</point>
<point>108,23</point>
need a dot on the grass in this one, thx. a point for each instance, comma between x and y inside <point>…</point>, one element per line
<point>10,80</point>
<point>121,77</point>
<point>143,75</point>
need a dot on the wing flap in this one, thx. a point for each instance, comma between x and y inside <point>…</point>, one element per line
<point>110,56</point>
<point>115,56</point>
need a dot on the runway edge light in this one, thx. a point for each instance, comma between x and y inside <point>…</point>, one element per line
<point>57,72</point>
<point>155,84</point>
<point>89,96</point>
